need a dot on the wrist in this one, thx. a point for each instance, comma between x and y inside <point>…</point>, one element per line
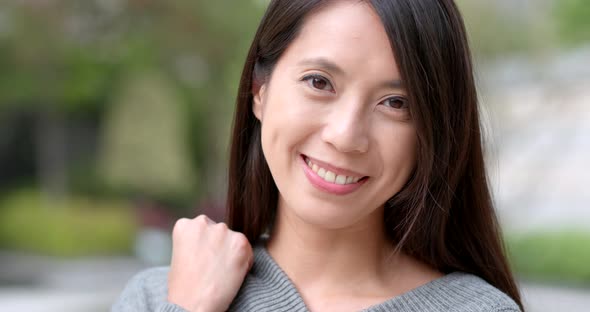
<point>205,308</point>
<point>199,307</point>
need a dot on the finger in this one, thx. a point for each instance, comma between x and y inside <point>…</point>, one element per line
<point>209,221</point>
<point>204,218</point>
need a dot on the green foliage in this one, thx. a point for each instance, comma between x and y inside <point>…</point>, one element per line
<point>46,63</point>
<point>144,148</point>
<point>495,31</point>
<point>88,80</point>
<point>573,20</point>
<point>552,256</point>
<point>73,56</point>
<point>72,227</point>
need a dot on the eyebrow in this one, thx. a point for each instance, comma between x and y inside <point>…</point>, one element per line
<point>394,84</point>
<point>323,63</point>
<point>334,68</point>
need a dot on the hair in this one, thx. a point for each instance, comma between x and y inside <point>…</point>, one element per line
<point>444,215</point>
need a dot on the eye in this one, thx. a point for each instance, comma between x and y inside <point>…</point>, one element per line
<point>396,102</point>
<point>318,82</point>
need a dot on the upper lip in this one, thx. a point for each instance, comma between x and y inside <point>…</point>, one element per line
<point>336,170</point>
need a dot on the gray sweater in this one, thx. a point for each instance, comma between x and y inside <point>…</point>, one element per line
<point>267,288</point>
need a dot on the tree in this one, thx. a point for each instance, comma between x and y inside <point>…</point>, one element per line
<point>51,70</point>
<point>64,59</point>
<point>144,148</point>
<point>573,21</point>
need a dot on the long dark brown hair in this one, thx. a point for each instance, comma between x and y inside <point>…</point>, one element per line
<point>444,214</point>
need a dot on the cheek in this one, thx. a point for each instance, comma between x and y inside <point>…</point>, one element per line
<point>288,117</point>
<point>399,149</point>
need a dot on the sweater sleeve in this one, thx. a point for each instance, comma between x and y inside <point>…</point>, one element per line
<point>146,291</point>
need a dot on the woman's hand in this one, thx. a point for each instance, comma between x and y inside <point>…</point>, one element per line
<point>209,263</point>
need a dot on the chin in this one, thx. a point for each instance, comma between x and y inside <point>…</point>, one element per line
<point>327,216</point>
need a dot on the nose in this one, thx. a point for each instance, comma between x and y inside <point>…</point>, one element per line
<point>346,130</point>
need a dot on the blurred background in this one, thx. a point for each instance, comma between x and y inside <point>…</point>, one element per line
<point>115,119</point>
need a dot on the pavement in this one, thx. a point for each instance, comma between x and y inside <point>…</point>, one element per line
<point>41,284</point>
<point>545,298</point>
<point>34,283</point>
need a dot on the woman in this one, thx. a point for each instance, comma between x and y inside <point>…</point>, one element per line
<point>356,172</point>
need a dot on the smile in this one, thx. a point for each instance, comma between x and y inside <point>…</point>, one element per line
<point>330,176</point>
<point>331,179</point>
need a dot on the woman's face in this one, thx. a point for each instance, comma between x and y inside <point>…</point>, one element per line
<point>336,129</point>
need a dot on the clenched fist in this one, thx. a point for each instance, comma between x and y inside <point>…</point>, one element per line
<point>209,263</point>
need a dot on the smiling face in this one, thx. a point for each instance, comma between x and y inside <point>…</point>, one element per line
<point>336,130</point>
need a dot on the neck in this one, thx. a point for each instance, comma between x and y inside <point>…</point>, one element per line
<point>331,260</point>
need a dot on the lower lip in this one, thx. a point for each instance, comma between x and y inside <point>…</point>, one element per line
<point>323,185</point>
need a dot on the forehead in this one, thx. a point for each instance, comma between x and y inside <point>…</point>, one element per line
<point>348,33</point>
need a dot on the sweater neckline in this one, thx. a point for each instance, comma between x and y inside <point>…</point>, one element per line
<point>274,272</point>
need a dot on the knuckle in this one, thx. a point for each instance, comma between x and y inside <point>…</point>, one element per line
<point>181,222</point>
<point>201,224</point>
<point>241,244</point>
<point>222,225</point>
<point>220,228</point>
<point>201,220</point>
<point>180,225</point>
<point>242,252</point>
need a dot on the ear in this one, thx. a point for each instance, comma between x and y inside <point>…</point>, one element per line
<point>258,101</point>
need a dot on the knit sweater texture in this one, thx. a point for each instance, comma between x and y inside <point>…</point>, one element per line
<point>267,288</point>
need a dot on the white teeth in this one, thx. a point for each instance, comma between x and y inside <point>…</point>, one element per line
<point>340,179</point>
<point>330,176</point>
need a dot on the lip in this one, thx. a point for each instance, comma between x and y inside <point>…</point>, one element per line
<point>323,185</point>
<point>336,170</point>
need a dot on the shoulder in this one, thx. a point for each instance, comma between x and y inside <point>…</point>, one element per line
<point>146,291</point>
<point>472,293</point>
<point>457,292</point>
<point>467,292</point>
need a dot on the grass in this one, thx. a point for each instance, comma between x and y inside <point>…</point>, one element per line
<point>555,256</point>
<point>68,228</point>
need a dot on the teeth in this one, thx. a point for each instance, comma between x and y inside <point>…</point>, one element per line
<point>340,179</point>
<point>330,176</point>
